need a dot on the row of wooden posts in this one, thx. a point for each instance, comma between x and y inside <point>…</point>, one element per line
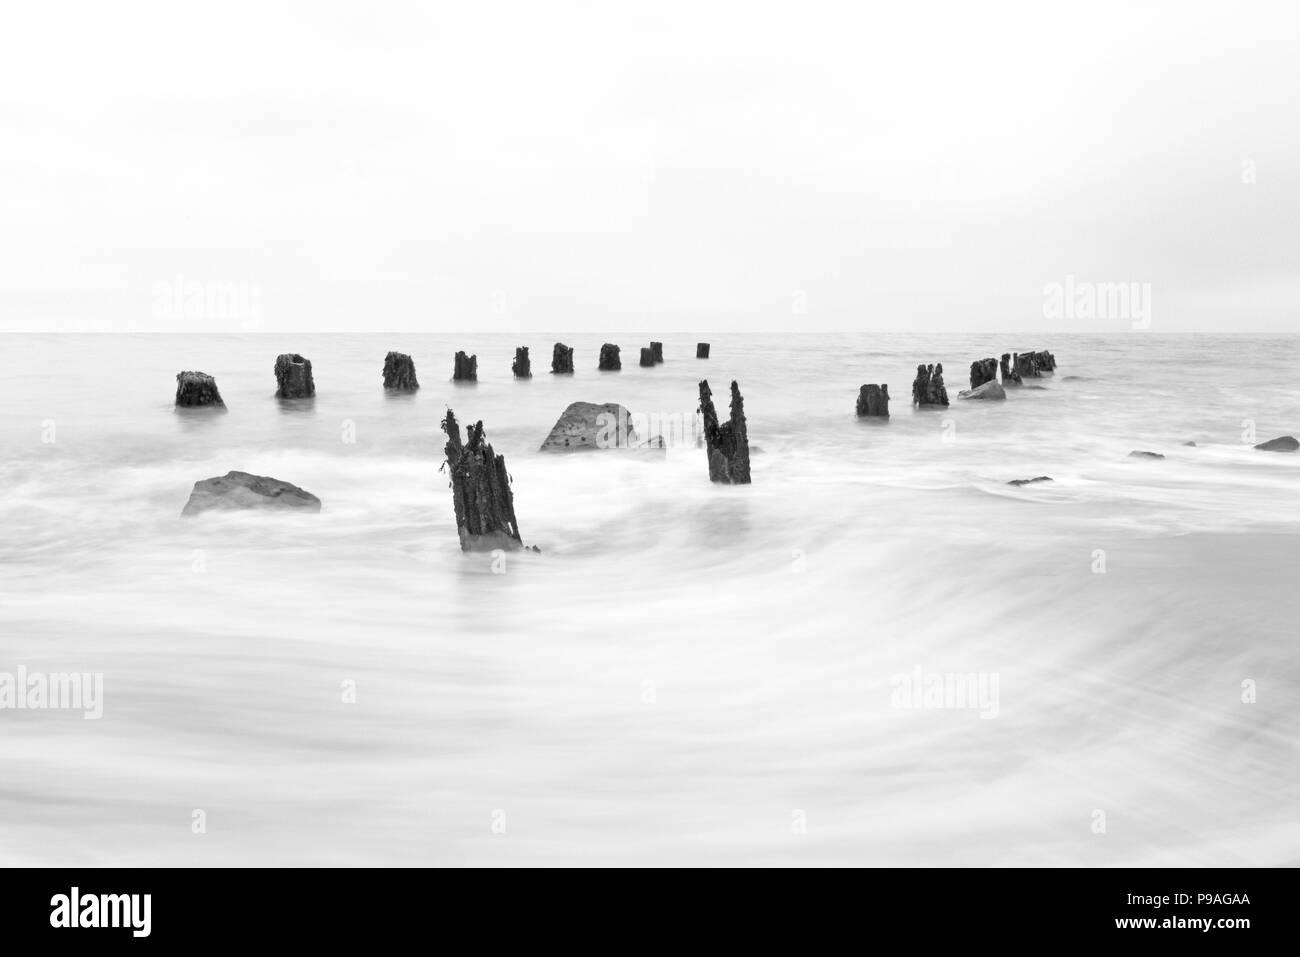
<point>294,380</point>
<point>928,387</point>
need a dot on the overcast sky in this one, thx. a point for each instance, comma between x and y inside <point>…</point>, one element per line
<point>662,166</point>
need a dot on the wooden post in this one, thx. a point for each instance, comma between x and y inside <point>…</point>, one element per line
<point>480,488</point>
<point>873,400</point>
<point>293,377</point>
<point>562,359</point>
<point>928,388</point>
<point>609,360</point>
<point>522,368</point>
<point>726,444</point>
<point>399,373</point>
<point>195,389</point>
<point>466,368</point>
<point>701,350</point>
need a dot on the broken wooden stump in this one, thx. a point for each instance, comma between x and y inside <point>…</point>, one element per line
<point>522,367</point>
<point>873,400</point>
<point>399,372</point>
<point>726,443</point>
<point>609,360</point>
<point>657,351</point>
<point>1009,374</point>
<point>562,359</point>
<point>927,388</point>
<point>701,350</point>
<point>1032,365</point>
<point>466,368</point>
<point>983,370</point>
<point>293,377</point>
<point>480,489</point>
<point>647,357</point>
<point>194,389</point>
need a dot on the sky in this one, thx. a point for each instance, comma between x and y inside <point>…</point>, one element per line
<point>765,166</point>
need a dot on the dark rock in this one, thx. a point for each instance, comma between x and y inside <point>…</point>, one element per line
<point>480,489</point>
<point>522,367</point>
<point>927,389</point>
<point>1192,444</point>
<point>240,490</point>
<point>1030,481</point>
<point>657,350</point>
<point>873,400</point>
<point>1009,375</point>
<point>293,377</point>
<point>727,443</point>
<point>1284,443</point>
<point>562,359</point>
<point>989,390</point>
<point>399,372</point>
<point>983,370</point>
<point>609,360</point>
<point>647,357</point>
<point>195,389</point>
<point>465,369</point>
<point>1145,455</point>
<point>586,425</point>
<point>701,350</point>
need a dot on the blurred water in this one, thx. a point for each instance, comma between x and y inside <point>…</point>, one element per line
<point>686,672</point>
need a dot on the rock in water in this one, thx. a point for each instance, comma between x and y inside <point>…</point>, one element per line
<point>927,389</point>
<point>701,350</point>
<point>240,490</point>
<point>522,367</point>
<point>873,400</point>
<point>609,360</point>
<point>1284,443</point>
<point>480,488</point>
<point>465,369</point>
<point>293,377</point>
<point>1145,455</point>
<point>1030,481</point>
<point>1009,375</point>
<point>983,370</point>
<point>647,357</point>
<point>989,390</point>
<point>586,425</point>
<point>197,389</point>
<point>727,443</point>
<point>562,359</point>
<point>657,350</point>
<point>399,372</point>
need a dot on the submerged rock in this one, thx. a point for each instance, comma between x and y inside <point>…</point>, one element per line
<point>562,359</point>
<point>293,377</point>
<point>989,390</point>
<point>726,443</point>
<point>399,372</point>
<point>240,490</point>
<point>587,425</point>
<point>927,388</point>
<point>1031,481</point>
<point>1192,444</point>
<point>1283,443</point>
<point>480,488</point>
<point>1145,455</point>
<point>873,400</point>
<point>194,389</point>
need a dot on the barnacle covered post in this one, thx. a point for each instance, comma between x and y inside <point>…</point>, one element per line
<point>726,443</point>
<point>480,488</point>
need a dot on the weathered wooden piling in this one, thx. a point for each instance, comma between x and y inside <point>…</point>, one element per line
<point>873,400</point>
<point>609,360</point>
<point>466,368</point>
<point>701,350</point>
<point>194,389</point>
<point>983,370</point>
<point>480,488</point>
<point>522,367</point>
<point>399,373</point>
<point>1009,374</point>
<point>726,443</point>
<point>562,359</point>
<point>293,377</point>
<point>657,350</point>
<point>927,388</point>
<point>647,356</point>
<point>1031,365</point>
